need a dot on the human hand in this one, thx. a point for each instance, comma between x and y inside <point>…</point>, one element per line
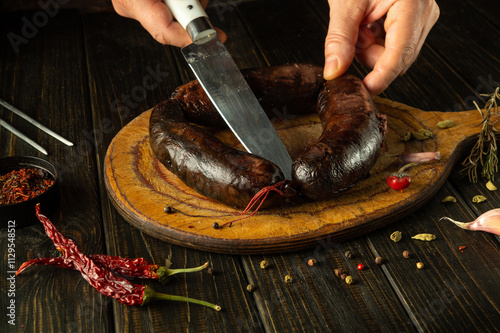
<point>385,35</point>
<point>158,20</point>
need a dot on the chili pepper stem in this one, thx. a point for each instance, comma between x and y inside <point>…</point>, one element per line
<point>151,295</point>
<point>165,273</point>
<point>171,271</point>
<point>405,167</point>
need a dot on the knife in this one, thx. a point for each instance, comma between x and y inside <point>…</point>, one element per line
<point>224,84</point>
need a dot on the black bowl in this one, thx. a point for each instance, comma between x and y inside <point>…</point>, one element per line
<point>22,214</point>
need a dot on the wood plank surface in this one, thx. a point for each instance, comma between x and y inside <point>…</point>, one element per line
<point>45,77</point>
<point>88,76</point>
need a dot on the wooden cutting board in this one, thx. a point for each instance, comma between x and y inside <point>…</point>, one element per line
<point>140,187</point>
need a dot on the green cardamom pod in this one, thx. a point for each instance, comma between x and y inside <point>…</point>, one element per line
<point>490,186</point>
<point>478,199</point>
<point>449,198</point>
<point>396,236</point>
<point>422,134</point>
<point>425,237</point>
<point>406,137</point>
<point>446,124</point>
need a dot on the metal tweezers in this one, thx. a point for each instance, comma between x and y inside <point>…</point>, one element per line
<point>33,122</point>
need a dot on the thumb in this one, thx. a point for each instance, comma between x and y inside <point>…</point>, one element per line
<point>345,19</point>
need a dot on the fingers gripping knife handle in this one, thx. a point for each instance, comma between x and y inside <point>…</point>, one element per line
<point>191,15</point>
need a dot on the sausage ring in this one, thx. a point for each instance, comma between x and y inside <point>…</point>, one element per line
<point>353,134</point>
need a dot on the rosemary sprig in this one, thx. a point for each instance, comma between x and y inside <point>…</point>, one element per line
<point>484,152</point>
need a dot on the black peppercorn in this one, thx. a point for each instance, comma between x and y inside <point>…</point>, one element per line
<point>215,225</point>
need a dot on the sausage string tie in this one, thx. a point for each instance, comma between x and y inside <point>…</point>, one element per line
<point>259,197</point>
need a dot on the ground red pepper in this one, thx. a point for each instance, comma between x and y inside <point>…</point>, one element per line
<point>102,279</point>
<point>23,184</point>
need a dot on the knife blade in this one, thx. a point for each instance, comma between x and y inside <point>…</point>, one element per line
<point>226,87</point>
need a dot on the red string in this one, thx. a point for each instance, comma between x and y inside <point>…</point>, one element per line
<point>259,196</point>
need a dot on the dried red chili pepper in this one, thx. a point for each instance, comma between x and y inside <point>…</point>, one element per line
<point>103,280</point>
<point>138,267</point>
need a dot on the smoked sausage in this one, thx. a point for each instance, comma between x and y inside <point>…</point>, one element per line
<point>349,146</point>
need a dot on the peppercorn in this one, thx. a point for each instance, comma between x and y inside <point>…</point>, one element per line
<point>348,279</point>
<point>406,254</point>
<point>215,225</point>
<point>339,271</point>
<point>264,264</point>
<point>348,254</point>
<point>379,260</point>
<point>250,287</point>
<point>360,267</point>
<point>311,262</point>
<point>168,210</point>
<point>420,265</point>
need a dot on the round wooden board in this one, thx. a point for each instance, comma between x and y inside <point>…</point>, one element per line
<point>139,186</point>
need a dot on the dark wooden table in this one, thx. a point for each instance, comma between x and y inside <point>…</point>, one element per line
<point>86,74</point>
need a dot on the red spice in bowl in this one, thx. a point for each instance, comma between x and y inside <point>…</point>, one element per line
<point>24,182</point>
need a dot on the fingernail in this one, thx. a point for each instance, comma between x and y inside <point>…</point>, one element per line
<point>331,67</point>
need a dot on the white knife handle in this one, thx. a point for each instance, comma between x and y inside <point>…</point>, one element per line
<point>191,15</point>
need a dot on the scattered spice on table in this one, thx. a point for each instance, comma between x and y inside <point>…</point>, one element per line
<point>264,264</point>
<point>396,236</point>
<point>288,279</point>
<point>250,288</point>
<point>102,279</point>
<point>349,279</point>
<point>360,267</point>
<point>461,248</point>
<point>23,184</point>
<point>379,260</point>
<point>406,254</point>
<point>348,254</point>
<point>490,186</point>
<point>449,198</point>
<point>420,265</point>
<point>425,237</point>
<point>311,262</point>
<point>478,199</point>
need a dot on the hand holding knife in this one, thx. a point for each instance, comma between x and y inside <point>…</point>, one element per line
<point>227,89</point>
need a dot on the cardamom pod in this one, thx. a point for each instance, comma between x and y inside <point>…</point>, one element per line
<point>446,124</point>
<point>406,137</point>
<point>478,199</point>
<point>449,198</point>
<point>425,237</point>
<point>422,134</point>
<point>396,236</point>
<point>490,186</point>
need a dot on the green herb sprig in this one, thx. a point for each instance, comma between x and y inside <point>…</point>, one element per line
<point>484,152</point>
